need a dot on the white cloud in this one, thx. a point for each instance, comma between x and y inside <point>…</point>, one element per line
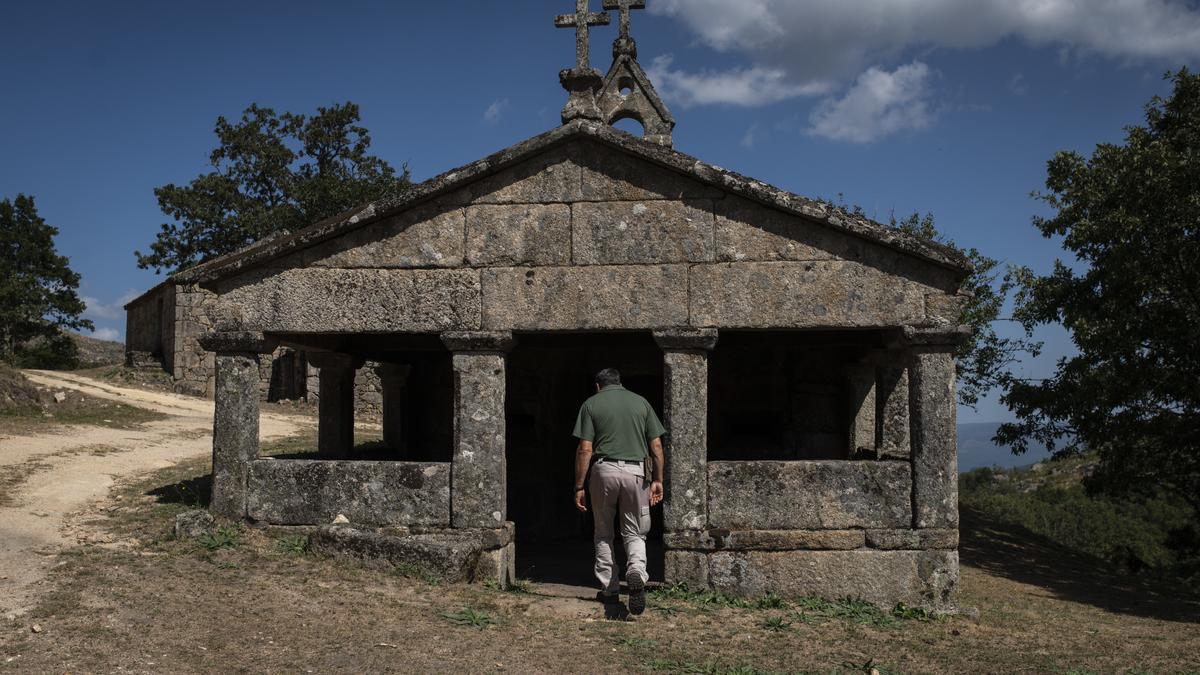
<point>880,103</point>
<point>95,309</point>
<point>750,138</point>
<point>106,334</point>
<point>753,86</point>
<point>495,111</point>
<point>1017,85</point>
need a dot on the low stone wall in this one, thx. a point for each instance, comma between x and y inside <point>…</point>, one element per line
<point>809,495</point>
<point>314,492</point>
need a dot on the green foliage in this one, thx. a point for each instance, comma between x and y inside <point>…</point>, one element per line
<point>292,545</point>
<point>776,624</point>
<point>226,536</point>
<point>271,174</point>
<point>38,291</point>
<point>469,617</point>
<point>1147,534</point>
<point>985,359</point>
<point>1129,215</point>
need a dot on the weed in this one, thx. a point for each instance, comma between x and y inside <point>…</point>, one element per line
<point>226,536</point>
<point>870,667</point>
<point>770,601</point>
<point>775,624</point>
<point>292,545</point>
<point>469,617</point>
<point>905,613</point>
<point>811,610</point>
<point>516,586</point>
<point>635,642</point>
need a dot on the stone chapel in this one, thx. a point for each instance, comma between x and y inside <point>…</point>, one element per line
<point>802,359</point>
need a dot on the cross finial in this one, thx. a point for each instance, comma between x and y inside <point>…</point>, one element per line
<point>582,20</point>
<point>624,6</point>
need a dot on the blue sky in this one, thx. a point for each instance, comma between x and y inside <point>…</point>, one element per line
<point>942,106</point>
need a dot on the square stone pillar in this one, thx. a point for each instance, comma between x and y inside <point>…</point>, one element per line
<point>393,384</point>
<point>335,404</point>
<point>862,432</point>
<point>892,402</point>
<point>235,418</point>
<point>933,403</point>
<point>685,407</point>
<point>477,476</point>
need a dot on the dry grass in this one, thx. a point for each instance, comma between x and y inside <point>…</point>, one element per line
<point>76,410</point>
<point>153,604</point>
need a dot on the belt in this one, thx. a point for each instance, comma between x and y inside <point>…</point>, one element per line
<point>625,462</point>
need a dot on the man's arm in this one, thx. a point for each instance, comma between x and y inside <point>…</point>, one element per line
<point>656,485</point>
<point>583,459</point>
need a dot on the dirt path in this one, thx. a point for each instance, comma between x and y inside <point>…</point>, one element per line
<point>73,468</point>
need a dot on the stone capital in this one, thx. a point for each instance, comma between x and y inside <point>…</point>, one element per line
<point>942,338</point>
<point>237,342</point>
<point>479,341</point>
<point>686,339</point>
<point>335,360</point>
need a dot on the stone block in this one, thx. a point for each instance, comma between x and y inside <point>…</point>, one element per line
<point>357,301</point>
<point>685,404</point>
<point>523,234</point>
<point>194,524</point>
<point>449,555</point>
<point>801,295</point>
<point>609,175</point>
<point>478,473</point>
<point>766,540</point>
<point>942,539</point>
<point>648,232</point>
<point>809,495</point>
<point>942,309</point>
<point>235,432</point>
<point>892,403</point>
<point>425,236</point>
<point>926,579</point>
<point>583,298</point>
<point>686,567</point>
<point>498,566</point>
<point>748,231</point>
<point>550,177</point>
<point>313,492</point>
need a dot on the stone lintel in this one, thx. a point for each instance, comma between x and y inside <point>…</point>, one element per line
<point>686,339</point>
<point>238,342</point>
<point>479,341</point>
<point>934,339</point>
<point>334,360</point>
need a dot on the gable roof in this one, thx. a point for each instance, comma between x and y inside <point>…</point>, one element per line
<point>668,158</point>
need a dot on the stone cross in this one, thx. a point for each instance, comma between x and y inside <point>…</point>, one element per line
<point>624,6</point>
<point>581,21</point>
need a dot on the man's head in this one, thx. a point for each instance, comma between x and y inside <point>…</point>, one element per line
<point>607,377</point>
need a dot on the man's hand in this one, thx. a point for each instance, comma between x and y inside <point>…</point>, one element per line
<point>656,493</point>
<point>580,503</point>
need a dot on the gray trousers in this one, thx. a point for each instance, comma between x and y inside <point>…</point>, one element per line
<point>619,492</point>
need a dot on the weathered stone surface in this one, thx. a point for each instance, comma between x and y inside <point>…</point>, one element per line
<point>801,295</point>
<point>581,298</point>
<point>478,341</point>
<point>944,309</point>
<point>519,234</point>
<point>426,236</point>
<point>335,426</point>
<point>452,555</point>
<point>311,492</point>
<point>934,437</point>
<point>235,432</point>
<point>646,232</point>
<point>613,176</point>
<point>685,404</point>
<point>809,495</point>
<point>478,498</point>
<point>686,567</point>
<point>765,540</point>
<point>349,301</point>
<point>917,578</point>
<point>892,400</point>
<point>686,339</point>
<point>194,524</point>
<point>747,231</point>
<point>862,410</point>
<point>553,177</point>
<point>945,539</point>
<point>498,566</point>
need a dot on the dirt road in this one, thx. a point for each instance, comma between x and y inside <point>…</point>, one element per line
<point>72,469</point>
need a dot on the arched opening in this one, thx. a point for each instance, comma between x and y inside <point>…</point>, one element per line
<point>630,125</point>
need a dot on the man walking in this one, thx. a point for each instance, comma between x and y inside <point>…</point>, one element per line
<point>621,429</point>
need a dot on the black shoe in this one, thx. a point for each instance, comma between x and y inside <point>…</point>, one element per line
<point>637,593</point>
<point>607,598</point>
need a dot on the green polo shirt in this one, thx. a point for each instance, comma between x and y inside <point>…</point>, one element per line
<point>619,423</point>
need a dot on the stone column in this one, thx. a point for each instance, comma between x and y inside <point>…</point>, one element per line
<point>393,384</point>
<point>862,406</point>
<point>932,403</point>
<point>892,402</point>
<point>685,407</point>
<point>235,420</point>
<point>478,475</point>
<point>335,404</point>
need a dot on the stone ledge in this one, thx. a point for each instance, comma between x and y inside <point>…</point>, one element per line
<point>249,342</point>
<point>766,540</point>
<point>470,555</point>
<point>947,337</point>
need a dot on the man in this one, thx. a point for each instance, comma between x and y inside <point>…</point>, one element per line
<point>621,430</point>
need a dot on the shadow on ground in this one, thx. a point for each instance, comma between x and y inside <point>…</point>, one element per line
<point>1016,553</point>
<point>195,492</point>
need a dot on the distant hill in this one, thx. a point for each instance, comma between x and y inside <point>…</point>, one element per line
<point>976,449</point>
<point>94,352</point>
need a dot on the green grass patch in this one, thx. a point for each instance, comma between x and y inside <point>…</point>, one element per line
<point>226,536</point>
<point>710,667</point>
<point>468,616</point>
<point>292,545</point>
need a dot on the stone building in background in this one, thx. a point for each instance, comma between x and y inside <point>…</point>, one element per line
<point>802,358</point>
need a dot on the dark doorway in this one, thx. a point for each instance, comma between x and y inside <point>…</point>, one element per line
<point>549,377</point>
